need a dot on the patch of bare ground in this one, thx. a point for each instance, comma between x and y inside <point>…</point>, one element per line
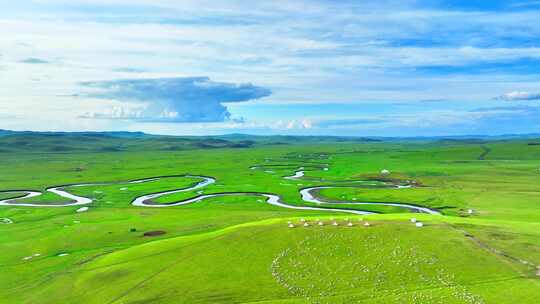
<point>154,233</point>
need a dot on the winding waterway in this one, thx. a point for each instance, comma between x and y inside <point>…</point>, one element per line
<point>306,194</point>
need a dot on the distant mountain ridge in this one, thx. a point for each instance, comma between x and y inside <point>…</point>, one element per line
<point>123,134</point>
<point>241,136</point>
<point>471,138</point>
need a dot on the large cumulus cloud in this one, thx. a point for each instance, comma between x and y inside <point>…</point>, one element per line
<point>191,99</point>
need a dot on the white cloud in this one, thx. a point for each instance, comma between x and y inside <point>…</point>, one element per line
<point>305,51</point>
<point>293,124</point>
<point>517,95</point>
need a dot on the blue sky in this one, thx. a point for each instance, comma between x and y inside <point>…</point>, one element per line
<point>379,68</point>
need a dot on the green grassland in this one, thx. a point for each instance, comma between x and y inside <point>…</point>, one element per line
<point>237,249</point>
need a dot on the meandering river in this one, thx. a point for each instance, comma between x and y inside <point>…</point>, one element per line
<point>306,194</point>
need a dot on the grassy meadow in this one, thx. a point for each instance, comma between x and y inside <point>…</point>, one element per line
<point>238,249</point>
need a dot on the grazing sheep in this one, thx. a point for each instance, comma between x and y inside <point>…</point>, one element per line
<point>306,224</point>
<point>367,224</point>
<point>335,224</point>
<point>413,220</point>
<point>350,224</point>
<point>321,224</point>
<point>419,224</point>
<point>291,225</point>
<point>385,172</point>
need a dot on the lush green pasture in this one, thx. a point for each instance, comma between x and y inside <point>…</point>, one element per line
<point>266,261</point>
<point>238,249</point>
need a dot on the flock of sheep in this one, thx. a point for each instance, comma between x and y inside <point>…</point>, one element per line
<point>327,266</point>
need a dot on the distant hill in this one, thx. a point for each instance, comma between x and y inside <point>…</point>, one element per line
<point>293,138</point>
<point>70,142</point>
<point>450,138</point>
<point>64,142</point>
<point>124,134</point>
<point>5,132</point>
